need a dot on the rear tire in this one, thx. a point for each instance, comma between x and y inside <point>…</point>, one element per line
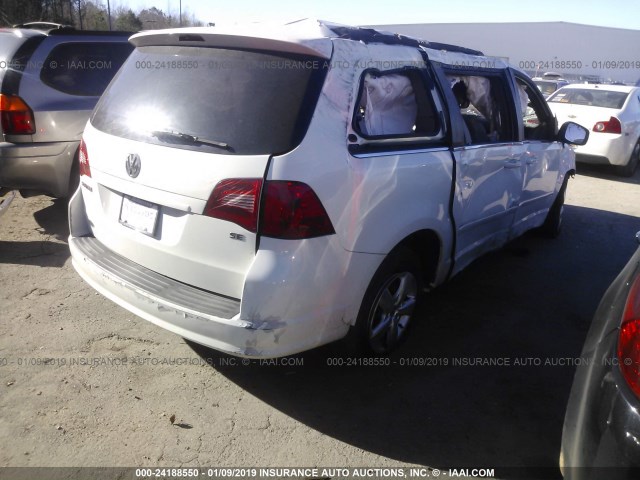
<point>74,176</point>
<point>389,304</point>
<point>629,169</point>
<point>552,225</point>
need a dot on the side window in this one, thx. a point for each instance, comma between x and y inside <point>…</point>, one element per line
<point>485,108</point>
<point>395,105</point>
<point>537,119</point>
<point>83,69</point>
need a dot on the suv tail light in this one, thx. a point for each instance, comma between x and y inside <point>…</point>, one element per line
<point>629,339</point>
<point>83,159</point>
<point>291,210</point>
<point>236,200</point>
<point>17,117</point>
<point>613,125</point>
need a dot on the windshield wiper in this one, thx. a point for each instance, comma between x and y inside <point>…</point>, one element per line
<point>178,137</point>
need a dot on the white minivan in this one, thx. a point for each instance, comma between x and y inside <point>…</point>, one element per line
<point>266,191</point>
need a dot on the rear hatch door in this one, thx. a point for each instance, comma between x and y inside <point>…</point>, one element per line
<point>176,122</point>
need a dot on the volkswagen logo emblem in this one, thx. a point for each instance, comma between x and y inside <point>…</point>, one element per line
<point>133,165</point>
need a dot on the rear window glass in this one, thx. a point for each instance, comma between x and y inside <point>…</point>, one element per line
<point>593,98</point>
<point>547,88</point>
<point>211,99</point>
<point>84,69</point>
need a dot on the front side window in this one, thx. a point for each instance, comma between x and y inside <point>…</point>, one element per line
<point>395,105</point>
<point>538,121</point>
<point>83,69</point>
<point>484,105</point>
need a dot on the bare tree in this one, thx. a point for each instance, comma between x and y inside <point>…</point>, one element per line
<point>88,14</point>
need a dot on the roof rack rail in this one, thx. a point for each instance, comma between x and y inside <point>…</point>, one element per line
<point>371,35</point>
<point>51,28</point>
<point>103,33</point>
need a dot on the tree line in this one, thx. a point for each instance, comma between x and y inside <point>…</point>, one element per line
<point>90,15</point>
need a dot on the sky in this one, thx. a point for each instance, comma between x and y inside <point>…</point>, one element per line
<point>610,13</point>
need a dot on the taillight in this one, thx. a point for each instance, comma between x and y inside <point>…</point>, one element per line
<point>83,159</point>
<point>236,200</point>
<point>629,339</point>
<point>17,117</point>
<point>293,211</point>
<point>613,125</point>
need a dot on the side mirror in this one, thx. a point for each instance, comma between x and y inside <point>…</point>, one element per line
<point>573,134</point>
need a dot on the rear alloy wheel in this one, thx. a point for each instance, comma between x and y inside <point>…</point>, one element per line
<point>389,304</point>
<point>629,169</point>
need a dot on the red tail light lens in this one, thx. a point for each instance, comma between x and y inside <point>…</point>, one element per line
<point>613,125</point>
<point>83,159</point>
<point>293,211</point>
<point>236,200</point>
<point>629,339</point>
<point>16,116</point>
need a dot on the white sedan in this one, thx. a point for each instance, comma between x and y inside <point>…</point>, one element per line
<point>612,113</point>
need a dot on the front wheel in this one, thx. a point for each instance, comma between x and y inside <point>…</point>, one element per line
<point>553,223</point>
<point>389,304</point>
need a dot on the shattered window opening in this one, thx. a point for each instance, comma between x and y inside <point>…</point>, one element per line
<point>395,105</point>
<point>482,107</point>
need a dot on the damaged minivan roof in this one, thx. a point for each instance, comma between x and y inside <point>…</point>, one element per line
<point>305,37</point>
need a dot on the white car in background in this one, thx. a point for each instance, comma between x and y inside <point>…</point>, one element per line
<point>612,113</point>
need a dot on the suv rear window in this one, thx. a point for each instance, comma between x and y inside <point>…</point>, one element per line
<point>83,69</point>
<point>253,102</point>
<point>593,98</point>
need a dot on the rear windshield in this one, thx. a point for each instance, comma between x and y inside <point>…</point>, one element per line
<point>83,68</point>
<point>231,101</point>
<point>593,98</point>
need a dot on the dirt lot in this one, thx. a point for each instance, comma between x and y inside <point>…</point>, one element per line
<point>85,383</point>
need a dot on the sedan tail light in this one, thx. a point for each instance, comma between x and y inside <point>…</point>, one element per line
<point>16,116</point>
<point>629,339</point>
<point>290,211</point>
<point>83,159</point>
<point>612,125</point>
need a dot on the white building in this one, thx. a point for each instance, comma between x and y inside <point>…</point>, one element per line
<point>578,52</point>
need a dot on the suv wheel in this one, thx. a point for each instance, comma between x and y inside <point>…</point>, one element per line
<point>553,224</point>
<point>389,303</point>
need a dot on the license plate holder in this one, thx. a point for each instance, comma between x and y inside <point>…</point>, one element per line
<point>139,215</point>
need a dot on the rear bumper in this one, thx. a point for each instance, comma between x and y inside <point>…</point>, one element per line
<point>606,149</point>
<point>296,295</point>
<point>203,317</point>
<point>601,432</point>
<point>42,167</point>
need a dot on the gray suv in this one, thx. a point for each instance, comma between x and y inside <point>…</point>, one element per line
<point>50,80</point>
